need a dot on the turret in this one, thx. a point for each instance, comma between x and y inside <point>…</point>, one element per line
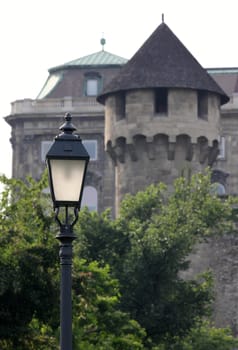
<point>162,115</point>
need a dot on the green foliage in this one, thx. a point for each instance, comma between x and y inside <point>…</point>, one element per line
<point>158,230</point>
<point>207,337</point>
<point>99,239</point>
<point>128,292</point>
<point>203,336</point>
<point>29,279</point>
<point>28,287</point>
<point>160,238</point>
<point>38,336</point>
<point>98,321</point>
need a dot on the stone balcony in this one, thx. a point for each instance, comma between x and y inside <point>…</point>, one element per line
<point>54,105</point>
<point>78,105</point>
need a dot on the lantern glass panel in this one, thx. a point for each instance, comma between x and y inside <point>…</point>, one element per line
<point>67,179</point>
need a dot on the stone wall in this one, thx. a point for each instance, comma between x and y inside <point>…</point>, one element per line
<point>220,256</point>
<point>147,148</point>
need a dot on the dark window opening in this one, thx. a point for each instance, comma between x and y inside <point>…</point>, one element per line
<point>120,106</point>
<point>161,101</point>
<point>202,104</point>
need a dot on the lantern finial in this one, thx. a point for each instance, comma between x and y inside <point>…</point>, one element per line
<point>68,128</point>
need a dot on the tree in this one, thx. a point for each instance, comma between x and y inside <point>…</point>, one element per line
<point>203,336</point>
<point>149,247</point>
<point>128,292</point>
<point>98,321</point>
<point>29,282</point>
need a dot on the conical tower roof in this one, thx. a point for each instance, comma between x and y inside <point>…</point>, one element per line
<point>163,61</point>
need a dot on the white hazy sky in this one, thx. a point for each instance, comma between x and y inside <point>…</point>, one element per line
<point>36,35</point>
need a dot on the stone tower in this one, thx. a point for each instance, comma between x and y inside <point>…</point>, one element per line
<point>162,120</point>
<point>162,115</point>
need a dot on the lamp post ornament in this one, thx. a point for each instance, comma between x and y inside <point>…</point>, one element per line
<point>67,162</point>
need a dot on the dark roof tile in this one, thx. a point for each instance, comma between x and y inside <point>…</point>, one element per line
<point>163,61</point>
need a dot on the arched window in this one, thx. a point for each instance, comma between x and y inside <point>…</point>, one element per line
<point>219,182</point>
<point>45,146</point>
<point>92,148</point>
<point>218,189</point>
<point>90,198</point>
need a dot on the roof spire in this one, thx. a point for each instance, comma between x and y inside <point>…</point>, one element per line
<point>102,41</point>
<point>162,18</point>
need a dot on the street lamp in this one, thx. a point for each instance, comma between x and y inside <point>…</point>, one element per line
<point>67,161</point>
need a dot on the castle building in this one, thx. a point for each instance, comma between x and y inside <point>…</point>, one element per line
<point>150,119</point>
<point>73,88</point>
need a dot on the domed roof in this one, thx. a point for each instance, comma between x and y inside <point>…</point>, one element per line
<point>163,61</point>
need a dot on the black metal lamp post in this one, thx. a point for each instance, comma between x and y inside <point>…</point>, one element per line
<point>67,162</point>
